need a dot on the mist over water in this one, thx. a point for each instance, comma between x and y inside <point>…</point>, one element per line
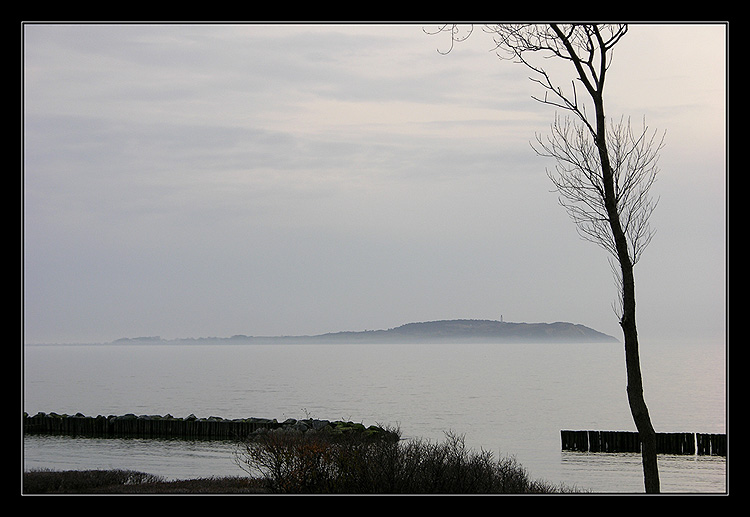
<point>508,399</point>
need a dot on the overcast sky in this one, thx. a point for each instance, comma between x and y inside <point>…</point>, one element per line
<point>203,180</point>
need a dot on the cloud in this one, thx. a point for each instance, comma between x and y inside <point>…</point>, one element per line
<point>194,180</point>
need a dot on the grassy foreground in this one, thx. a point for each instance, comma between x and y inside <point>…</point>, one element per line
<point>130,482</point>
<point>283,462</point>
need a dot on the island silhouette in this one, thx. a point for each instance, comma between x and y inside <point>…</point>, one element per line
<point>441,331</point>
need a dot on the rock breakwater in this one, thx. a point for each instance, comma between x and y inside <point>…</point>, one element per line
<point>190,427</point>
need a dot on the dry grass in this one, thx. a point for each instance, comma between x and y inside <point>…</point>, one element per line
<point>130,482</point>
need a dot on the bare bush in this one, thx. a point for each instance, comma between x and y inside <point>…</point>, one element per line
<point>291,462</point>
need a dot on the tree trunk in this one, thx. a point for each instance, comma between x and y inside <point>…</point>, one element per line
<point>594,84</point>
<point>636,400</point>
<point>635,386</point>
<point>632,355</point>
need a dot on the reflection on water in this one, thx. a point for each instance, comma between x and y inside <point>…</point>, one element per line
<point>596,471</point>
<point>171,459</point>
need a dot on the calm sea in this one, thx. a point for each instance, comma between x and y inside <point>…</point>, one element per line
<point>512,400</point>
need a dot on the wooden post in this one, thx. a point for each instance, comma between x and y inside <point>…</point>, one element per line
<point>628,441</point>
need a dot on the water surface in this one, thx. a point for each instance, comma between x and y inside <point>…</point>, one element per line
<point>508,399</point>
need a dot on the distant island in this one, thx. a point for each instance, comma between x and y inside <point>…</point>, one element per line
<point>443,331</point>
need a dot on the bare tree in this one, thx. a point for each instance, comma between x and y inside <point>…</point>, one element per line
<point>577,177</point>
<point>604,171</point>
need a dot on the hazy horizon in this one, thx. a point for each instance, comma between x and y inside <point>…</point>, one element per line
<point>217,180</point>
<point>330,332</point>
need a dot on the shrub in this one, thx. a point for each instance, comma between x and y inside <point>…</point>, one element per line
<point>295,462</point>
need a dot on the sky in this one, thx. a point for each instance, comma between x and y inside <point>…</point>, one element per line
<point>212,180</point>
